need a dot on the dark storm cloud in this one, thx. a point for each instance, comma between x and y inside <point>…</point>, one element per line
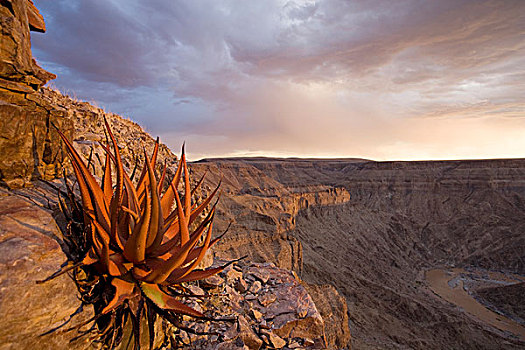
<point>253,76</point>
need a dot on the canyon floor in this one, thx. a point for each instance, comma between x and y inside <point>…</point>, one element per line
<point>375,229</point>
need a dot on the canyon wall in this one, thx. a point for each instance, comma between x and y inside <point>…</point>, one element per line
<point>262,211</point>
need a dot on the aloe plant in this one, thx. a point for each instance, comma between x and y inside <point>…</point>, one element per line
<point>140,250</point>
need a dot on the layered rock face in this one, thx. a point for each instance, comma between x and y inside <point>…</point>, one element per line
<point>399,219</point>
<point>18,66</point>
<point>262,210</point>
<point>28,143</point>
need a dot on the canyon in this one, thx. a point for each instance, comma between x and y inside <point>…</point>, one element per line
<point>359,236</point>
<point>372,229</point>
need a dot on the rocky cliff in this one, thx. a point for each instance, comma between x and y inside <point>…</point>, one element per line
<point>26,138</point>
<point>260,305</point>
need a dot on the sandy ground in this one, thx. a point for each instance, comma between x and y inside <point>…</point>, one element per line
<point>449,285</point>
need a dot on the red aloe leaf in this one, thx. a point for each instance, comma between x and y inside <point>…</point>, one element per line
<point>143,180</point>
<point>123,290</point>
<point>196,212</point>
<point>124,220</point>
<point>135,247</point>
<point>106,180</point>
<point>162,177</point>
<point>183,223</point>
<point>187,189</point>
<point>87,203</point>
<point>167,302</point>
<point>91,193</point>
<point>159,274</point>
<point>166,247</point>
<point>199,274</point>
<point>91,257</point>
<point>199,183</point>
<point>176,275</point>
<point>117,198</point>
<point>134,215</point>
<point>169,196</point>
<point>172,229</point>
<point>197,251</point>
<point>128,184</point>
<point>110,266</point>
<point>155,228</point>
<point>202,274</point>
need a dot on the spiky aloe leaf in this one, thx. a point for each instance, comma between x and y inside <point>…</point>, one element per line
<point>155,233</point>
<point>196,275</point>
<point>129,205</point>
<point>160,273</point>
<point>135,248</point>
<point>128,184</point>
<point>144,180</point>
<point>92,195</point>
<point>167,247</point>
<point>162,177</point>
<point>123,290</point>
<point>169,196</point>
<point>116,201</point>
<point>183,222</point>
<point>192,261</point>
<point>167,302</point>
<point>106,180</point>
<point>101,241</point>
<point>198,210</point>
<point>199,183</point>
<point>187,189</point>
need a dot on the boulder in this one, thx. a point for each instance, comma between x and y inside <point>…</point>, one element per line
<point>35,19</point>
<point>29,252</point>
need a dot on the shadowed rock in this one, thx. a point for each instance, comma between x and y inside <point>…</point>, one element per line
<point>29,252</point>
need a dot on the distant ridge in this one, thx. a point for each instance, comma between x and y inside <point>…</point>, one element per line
<point>350,160</point>
<point>279,159</point>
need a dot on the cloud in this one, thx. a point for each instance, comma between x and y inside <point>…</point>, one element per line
<point>315,78</point>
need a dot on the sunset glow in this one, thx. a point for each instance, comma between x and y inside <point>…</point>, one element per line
<point>382,80</point>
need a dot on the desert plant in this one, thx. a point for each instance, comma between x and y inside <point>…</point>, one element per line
<point>134,253</point>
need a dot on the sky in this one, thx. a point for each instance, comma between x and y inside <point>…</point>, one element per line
<point>382,80</point>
